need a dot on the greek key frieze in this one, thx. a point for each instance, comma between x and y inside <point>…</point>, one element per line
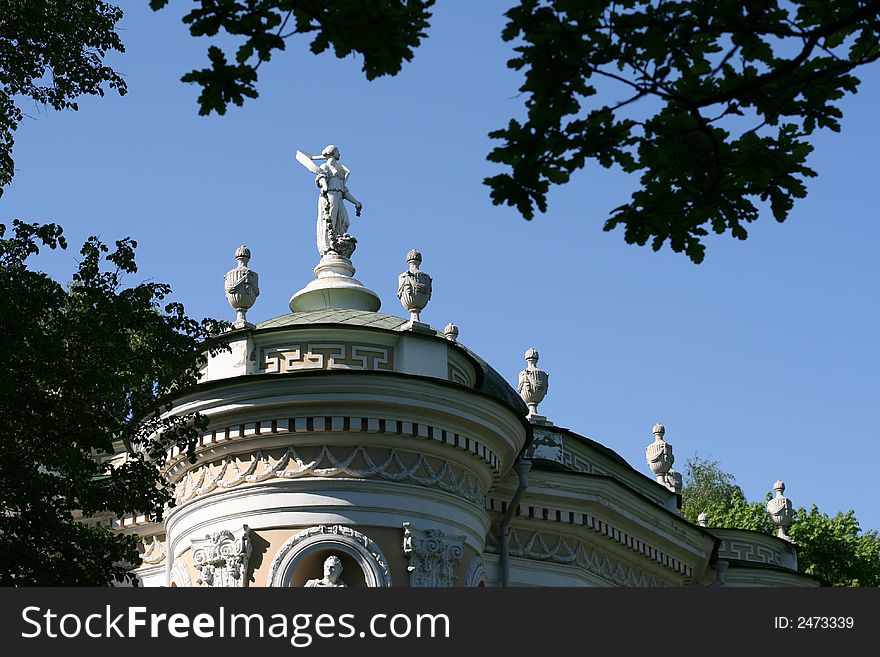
<point>746,551</point>
<point>575,462</point>
<point>292,357</point>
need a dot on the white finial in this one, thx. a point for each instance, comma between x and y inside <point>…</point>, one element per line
<point>703,519</point>
<point>660,459</point>
<point>242,287</point>
<point>414,288</point>
<point>533,385</point>
<point>451,332</point>
<point>780,510</point>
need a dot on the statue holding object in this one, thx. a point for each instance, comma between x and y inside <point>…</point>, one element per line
<point>332,225</point>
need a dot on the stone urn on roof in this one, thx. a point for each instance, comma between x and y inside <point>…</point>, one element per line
<point>242,288</point>
<point>780,510</point>
<point>414,289</point>
<point>533,384</point>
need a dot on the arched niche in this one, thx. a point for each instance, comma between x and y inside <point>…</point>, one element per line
<point>475,575</point>
<point>180,575</point>
<point>301,558</point>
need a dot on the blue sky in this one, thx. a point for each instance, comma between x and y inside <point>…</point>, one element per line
<point>765,357</point>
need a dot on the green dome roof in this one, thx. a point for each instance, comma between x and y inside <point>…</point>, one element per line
<point>336,316</point>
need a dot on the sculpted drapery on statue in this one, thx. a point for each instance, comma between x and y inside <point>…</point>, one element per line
<point>331,178</point>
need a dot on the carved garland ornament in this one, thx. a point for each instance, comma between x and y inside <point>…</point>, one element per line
<point>290,466</point>
<point>589,558</point>
<point>154,553</point>
<point>360,547</point>
<point>602,527</point>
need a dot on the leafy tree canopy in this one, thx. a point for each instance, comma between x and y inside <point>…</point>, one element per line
<point>85,370</point>
<point>51,52</point>
<point>833,549</point>
<point>715,100</point>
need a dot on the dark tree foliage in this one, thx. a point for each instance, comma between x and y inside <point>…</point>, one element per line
<point>714,99</point>
<point>833,549</point>
<point>51,52</point>
<point>383,32</point>
<point>736,85</point>
<point>85,372</point>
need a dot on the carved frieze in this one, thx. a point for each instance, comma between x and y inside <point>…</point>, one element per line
<point>290,357</point>
<point>749,551</point>
<point>384,464</point>
<point>559,549</point>
<point>600,526</point>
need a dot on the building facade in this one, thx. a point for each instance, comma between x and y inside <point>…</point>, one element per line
<point>349,447</point>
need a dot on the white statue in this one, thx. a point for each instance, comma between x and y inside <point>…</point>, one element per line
<point>332,571</point>
<point>333,223</point>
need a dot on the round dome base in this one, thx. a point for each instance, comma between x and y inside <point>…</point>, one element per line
<point>341,292</point>
<point>334,287</point>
